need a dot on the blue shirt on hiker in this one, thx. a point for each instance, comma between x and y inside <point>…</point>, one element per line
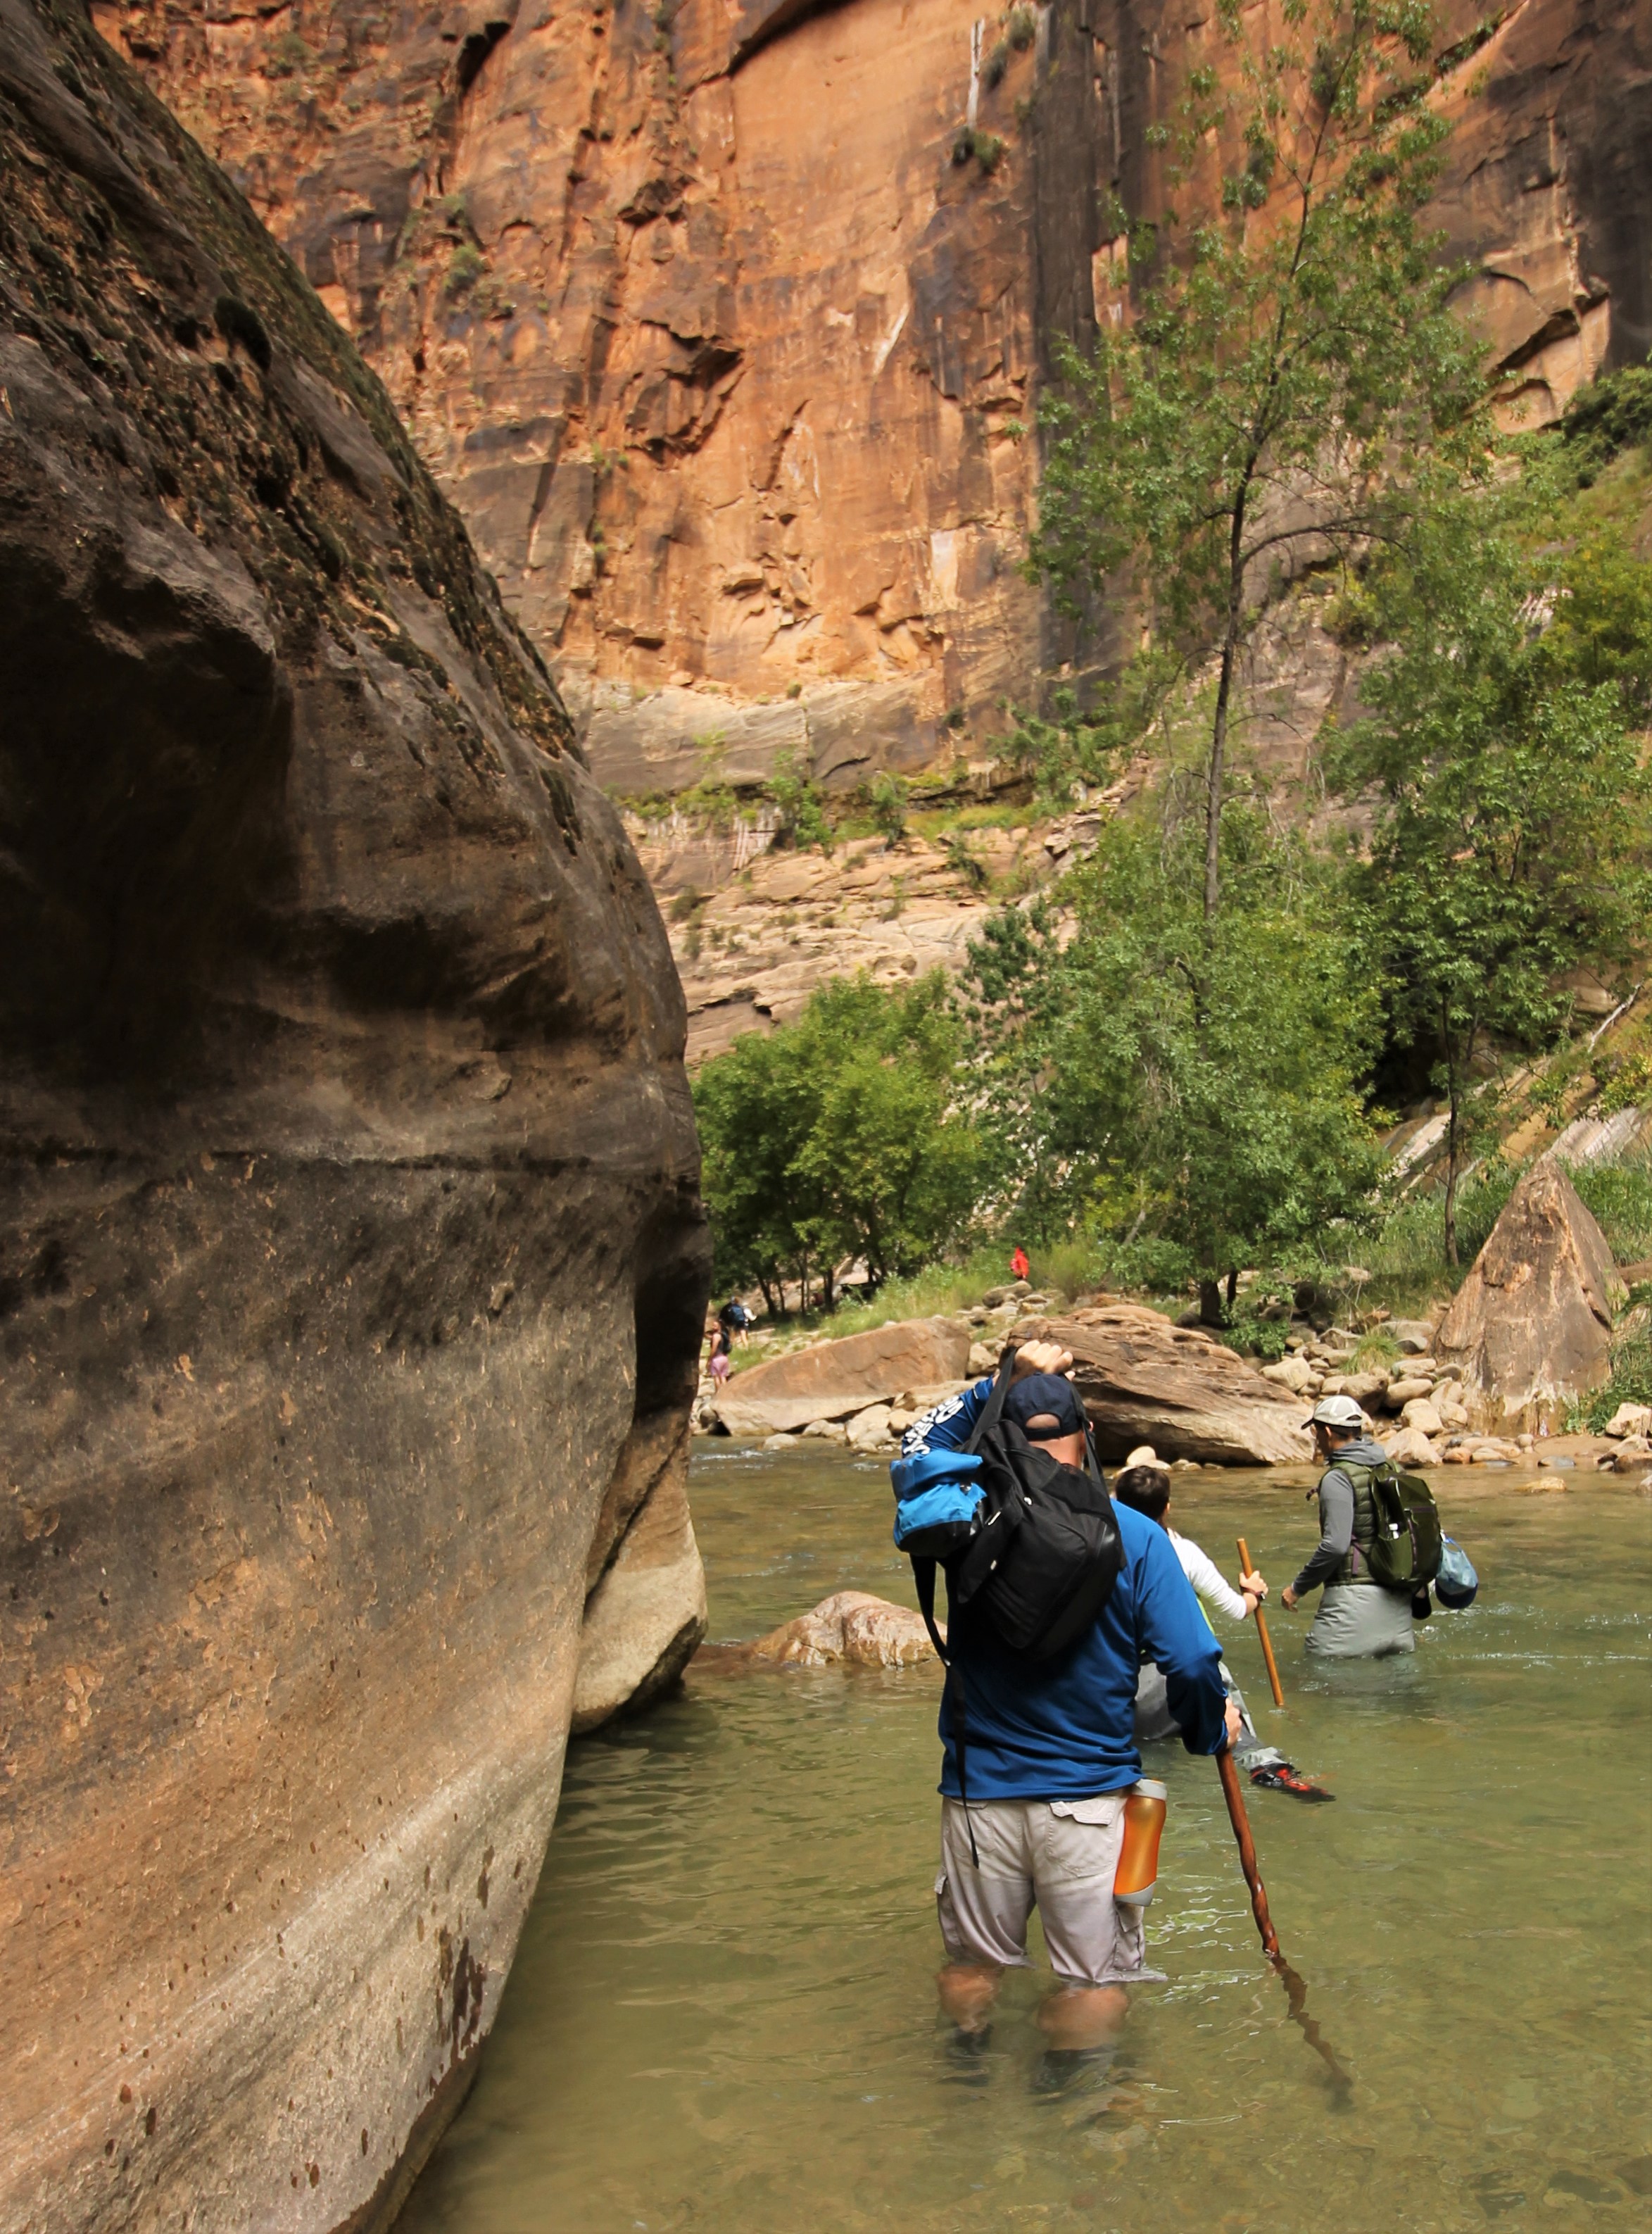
<point>1065,1728</point>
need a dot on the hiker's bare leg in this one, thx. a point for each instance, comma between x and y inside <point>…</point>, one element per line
<point>1084,2017</point>
<point>968,1991</point>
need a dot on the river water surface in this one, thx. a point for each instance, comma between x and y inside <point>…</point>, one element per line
<point>722,2013</point>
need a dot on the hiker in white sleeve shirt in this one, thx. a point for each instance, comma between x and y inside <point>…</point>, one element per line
<point>1144,1485</point>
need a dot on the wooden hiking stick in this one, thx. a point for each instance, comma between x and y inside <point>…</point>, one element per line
<point>1295,1991</point>
<point>1262,1628</point>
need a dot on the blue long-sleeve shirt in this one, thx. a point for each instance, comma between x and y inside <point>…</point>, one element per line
<point>1064,1728</point>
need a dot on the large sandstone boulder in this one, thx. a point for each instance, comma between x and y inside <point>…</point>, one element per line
<point>645,1598</point>
<point>1146,1381</point>
<point>1532,1323</point>
<point>1411,1448</point>
<point>351,1264</point>
<point>836,1380</point>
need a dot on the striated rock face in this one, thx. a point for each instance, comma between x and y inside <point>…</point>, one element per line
<point>1532,1323</point>
<point>351,1264</point>
<point>1544,186</point>
<point>715,346</point>
<point>723,354</point>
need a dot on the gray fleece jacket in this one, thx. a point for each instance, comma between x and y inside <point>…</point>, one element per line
<point>1336,1514</point>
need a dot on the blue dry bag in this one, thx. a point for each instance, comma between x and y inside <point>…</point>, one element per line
<point>936,1513</point>
<point>1456,1583</point>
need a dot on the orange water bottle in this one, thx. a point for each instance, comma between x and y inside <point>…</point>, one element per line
<point>1144,1820</point>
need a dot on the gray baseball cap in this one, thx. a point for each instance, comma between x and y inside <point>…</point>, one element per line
<point>1336,1412</point>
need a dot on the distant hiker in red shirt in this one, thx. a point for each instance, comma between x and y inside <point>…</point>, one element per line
<point>1019,1264</point>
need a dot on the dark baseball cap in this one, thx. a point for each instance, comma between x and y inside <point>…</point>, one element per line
<point>1045,1395</point>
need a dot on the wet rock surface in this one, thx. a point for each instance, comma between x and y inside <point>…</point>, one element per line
<point>851,1626</point>
<point>351,1262</point>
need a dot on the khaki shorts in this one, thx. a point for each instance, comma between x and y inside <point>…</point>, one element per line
<point>1061,1855</point>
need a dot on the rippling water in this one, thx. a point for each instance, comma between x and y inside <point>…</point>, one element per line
<point>722,2014</point>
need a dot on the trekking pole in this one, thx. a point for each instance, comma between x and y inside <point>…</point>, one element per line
<point>1295,1991</point>
<point>1262,1630</point>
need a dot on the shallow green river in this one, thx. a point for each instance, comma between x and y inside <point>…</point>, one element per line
<point>722,2014</point>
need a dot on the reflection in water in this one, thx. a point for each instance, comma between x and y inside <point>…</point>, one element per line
<point>723,2015</point>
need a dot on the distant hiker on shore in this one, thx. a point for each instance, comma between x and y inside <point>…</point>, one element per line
<point>1043,1747</point>
<point>721,1343</point>
<point>1020,1264</point>
<point>1145,1486</point>
<point>1357,1619</point>
<point>734,1320</point>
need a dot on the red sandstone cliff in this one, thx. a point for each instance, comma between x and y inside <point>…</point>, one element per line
<point>722,353</point>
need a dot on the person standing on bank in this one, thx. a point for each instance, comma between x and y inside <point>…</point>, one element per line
<point>1052,1751</point>
<point>1357,1619</point>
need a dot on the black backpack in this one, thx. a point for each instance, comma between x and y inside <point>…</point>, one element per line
<point>1405,1549</point>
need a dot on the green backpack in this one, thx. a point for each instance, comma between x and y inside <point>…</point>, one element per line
<point>1404,1553</point>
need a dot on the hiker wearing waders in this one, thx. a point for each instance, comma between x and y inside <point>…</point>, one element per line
<point>1039,1750</point>
<point>1357,1619</point>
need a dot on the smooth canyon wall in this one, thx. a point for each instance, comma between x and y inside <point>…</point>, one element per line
<point>351,1259</point>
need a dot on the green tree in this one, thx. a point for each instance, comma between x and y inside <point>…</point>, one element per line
<point>1513,834</point>
<point>887,798</point>
<point>1288,361</point>
<point>838,1136</point>
<point>800,818</point>
<point>1158,1073</point>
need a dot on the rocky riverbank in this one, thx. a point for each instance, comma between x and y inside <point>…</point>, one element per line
<point>1487,1379</point>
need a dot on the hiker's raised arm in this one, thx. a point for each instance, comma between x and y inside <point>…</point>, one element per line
<point>1040,1357</point>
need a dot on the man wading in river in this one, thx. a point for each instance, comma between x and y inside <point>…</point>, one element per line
<point>1049,1749</point>
<point>1357,1619</point>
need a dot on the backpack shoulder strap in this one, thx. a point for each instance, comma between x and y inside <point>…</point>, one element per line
<point>1092,1464</point>
<point>924,1581</point>
<point>924,1577</point>
<point>995,1404</point>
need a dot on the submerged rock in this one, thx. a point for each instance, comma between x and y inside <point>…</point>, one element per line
<point>851,1625</point>
<point>351,1263</point>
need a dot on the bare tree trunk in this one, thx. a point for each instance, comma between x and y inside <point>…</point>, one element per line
<point>1452,1139</point>
<point>1210,1303</point>
<point>1220,730</point>
<point>1233,1286</point>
